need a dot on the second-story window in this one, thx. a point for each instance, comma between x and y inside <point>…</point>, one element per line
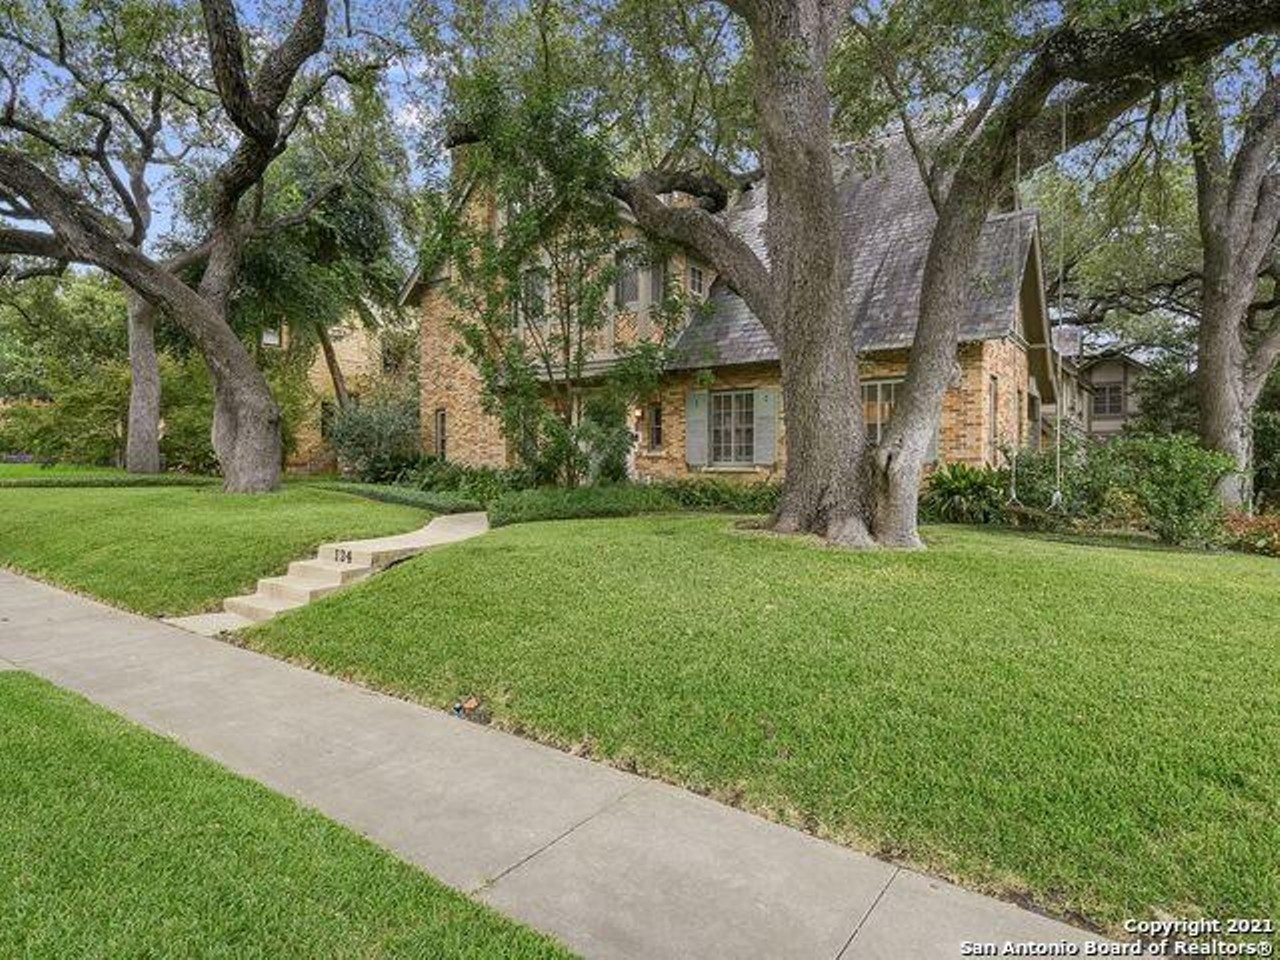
<point>697,280</point>
<point>533,298</point>
<point>657,282</point>
<point>1108,399</point>
<point>626,288</point>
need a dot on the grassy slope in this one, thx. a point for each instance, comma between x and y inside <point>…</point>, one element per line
<point>117,843</point>
<point>178,550</point>
<point>1097,727</point>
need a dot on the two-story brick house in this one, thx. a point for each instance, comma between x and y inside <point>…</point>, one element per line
<point>719,409</point>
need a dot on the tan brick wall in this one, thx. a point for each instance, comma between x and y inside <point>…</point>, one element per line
<point>963,435</point>
<point>1006,361</point>
<point>450,382</point>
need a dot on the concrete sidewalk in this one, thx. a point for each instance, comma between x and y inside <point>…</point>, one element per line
<point>611,864</point>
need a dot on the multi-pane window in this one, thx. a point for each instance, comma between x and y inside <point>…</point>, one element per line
<point>878,398</point>
<point>442,437</point>
<point>732,427</point>
<point>533,297</point>
<point>657,282</point>
<point>697,280</point>
<point>655,426</point>
<point>1108,399</point>
<point>626,288</point>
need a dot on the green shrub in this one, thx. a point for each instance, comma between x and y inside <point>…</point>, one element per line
<point>432,500</point>
<point>377,440</point>
<point>480,484</point>
<point>83,422</point>
<point>1266,459</point>
<point>186,404</point>
<point>1162,485</point>
<point>559,503</point>
<point>1171,479</point>
<point>709,493</point>
<point>959,493</point>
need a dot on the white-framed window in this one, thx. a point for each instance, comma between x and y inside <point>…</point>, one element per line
<point>1108,399</point>
<point>878,399</point>
<point>697,280</point>
<point>732,427</point>
<point>442,433</point>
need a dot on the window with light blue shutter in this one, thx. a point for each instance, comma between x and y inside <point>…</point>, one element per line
<point>765,406</point>
<point>696,429</point>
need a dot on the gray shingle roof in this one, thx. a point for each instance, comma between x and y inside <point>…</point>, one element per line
<point>887,221</point>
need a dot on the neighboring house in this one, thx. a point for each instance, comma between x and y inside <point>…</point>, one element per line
<point>719,410</point>
<point>359,354</point>
<point>1111,377</point>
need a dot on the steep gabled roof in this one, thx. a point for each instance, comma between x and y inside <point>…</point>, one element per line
<point>887,220</point>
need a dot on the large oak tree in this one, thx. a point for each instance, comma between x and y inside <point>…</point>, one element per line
<point>262,96</point>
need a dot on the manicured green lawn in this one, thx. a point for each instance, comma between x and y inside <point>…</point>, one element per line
<point>1096,727</point>
<point>178,550</point>
<point>118,843</point>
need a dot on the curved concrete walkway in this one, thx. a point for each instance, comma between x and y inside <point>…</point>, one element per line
<point>336,567</point>
<point>613,865</point>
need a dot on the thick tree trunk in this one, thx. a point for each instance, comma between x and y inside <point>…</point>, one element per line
<point>825,436</point>
<point>335,369</point>
<point>811,326</point>
<point>246,431</point>
<point>142,451</point>
<point>1226,413</point>
<point>896,465</point>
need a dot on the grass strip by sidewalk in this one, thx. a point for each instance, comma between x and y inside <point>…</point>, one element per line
<point>117,843</point>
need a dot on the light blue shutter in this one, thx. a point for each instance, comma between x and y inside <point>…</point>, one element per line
<point>695,428</point>
<point>765,405</point>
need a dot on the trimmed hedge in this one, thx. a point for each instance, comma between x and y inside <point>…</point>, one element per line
<point>708,493</point>
<point>434,501</point>
<point>110,480</point>
<point>558,503</point>
<point>631,499</point>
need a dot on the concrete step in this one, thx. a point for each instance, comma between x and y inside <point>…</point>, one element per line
<point>296,588</point>
<point>328,572</point>
<point>377,557</point>
<point>259,607</point>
